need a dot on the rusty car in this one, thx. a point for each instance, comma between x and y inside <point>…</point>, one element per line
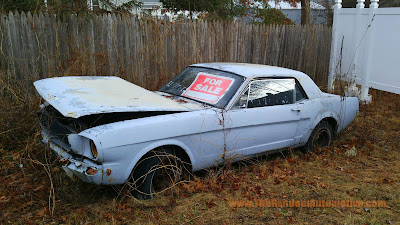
<point>108,131</point>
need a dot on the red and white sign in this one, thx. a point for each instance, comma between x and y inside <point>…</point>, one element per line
<point>208,88</point>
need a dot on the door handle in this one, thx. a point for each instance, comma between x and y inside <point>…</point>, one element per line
<point>296,109</point>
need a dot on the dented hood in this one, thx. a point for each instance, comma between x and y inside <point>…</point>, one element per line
<point>80,96</point>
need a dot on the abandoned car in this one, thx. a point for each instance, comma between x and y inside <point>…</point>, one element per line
<point>109,131</point>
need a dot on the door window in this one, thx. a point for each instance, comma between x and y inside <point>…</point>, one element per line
<point>268,92</point>
<point>300,94</point>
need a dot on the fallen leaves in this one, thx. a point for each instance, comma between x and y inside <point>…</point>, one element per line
<point>43,212</point>
<point>211,203</point>
<point>109,217</point>
<point>324,174</point>
<point>385,180</point>
<point>324,185</point>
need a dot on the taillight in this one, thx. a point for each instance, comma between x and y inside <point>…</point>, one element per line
<point>93,149</point>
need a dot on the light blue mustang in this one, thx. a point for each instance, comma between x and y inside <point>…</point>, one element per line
<point>109,131</point>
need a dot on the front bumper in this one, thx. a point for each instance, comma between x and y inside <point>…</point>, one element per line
<point>87,170</point>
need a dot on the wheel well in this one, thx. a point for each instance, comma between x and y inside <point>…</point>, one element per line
<point>180,153</point>
<point>332,122</point>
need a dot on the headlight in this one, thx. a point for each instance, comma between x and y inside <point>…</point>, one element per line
<point>93,149</point>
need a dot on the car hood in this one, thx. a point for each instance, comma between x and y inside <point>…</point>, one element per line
<point>80,96</point>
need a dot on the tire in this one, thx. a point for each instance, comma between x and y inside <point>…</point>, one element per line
<point>321,136</point>
<point>157,171</point>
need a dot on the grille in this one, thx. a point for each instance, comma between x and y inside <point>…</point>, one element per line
<point>56,125</point>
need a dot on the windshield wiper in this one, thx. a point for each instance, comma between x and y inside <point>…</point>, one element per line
<point>204,103</point>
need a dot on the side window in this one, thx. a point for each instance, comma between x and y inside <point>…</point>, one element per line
<point>242,102</point>
<point>268,92</point>
<point>300,94</point>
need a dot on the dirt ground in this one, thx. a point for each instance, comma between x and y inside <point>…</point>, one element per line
<point>35,190</point>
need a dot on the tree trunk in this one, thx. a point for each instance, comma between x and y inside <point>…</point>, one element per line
<point>305,12</point>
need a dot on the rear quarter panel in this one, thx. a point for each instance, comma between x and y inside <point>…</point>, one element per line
<point>342,109</point>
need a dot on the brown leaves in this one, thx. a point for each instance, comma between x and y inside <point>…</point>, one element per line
<point>258,190</point>
<point>279,178</point>
<point>197,185</point>
<point>211,203</point>
<point>43,212</point>
<point>212,184</point>
<point>29,222</point>
<point>324,185</point>
<point>385,180</point>
<point>112,217</point>
<point>124,207</point>
<point>284,174</point>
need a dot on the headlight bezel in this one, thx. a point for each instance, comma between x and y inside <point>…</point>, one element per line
<point>93,149</point>
<point>86,146</point>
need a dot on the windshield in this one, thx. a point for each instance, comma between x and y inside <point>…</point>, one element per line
<point>210,86</point>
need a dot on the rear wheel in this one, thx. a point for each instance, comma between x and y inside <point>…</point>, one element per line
<point>157,171</point>
<point>321,136</point>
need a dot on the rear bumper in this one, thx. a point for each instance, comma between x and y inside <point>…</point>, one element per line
<point>85,169</point>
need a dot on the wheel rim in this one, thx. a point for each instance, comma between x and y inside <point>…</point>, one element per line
<point>322,138</point>
<point>165,175</point>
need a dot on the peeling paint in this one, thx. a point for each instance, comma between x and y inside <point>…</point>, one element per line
<point>91,171</point>
<point>79,96</point>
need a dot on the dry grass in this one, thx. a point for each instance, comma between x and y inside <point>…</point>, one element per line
<point>33,188</point>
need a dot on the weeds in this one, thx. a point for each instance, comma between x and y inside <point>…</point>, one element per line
<point>34,189</point>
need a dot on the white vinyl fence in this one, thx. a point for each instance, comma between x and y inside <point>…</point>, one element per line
<point>366,47</point>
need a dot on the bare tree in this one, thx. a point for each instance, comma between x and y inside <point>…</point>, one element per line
<point>305,12</point>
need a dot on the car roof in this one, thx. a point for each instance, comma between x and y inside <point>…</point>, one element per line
<point>252,70</point>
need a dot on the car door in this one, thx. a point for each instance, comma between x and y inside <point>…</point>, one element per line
<point>265,117</point>
<point>306,109</point>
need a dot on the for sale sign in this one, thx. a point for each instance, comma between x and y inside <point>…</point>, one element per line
<point>208,88</point>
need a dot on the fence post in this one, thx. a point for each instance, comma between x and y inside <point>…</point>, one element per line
<point>90,4</point>
<point>364,96</point>
<point>334,46</point>
<point>351,76</point>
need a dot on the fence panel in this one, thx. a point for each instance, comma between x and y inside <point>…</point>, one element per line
<point>150,52</point>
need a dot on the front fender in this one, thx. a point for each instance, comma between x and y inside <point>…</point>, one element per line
<point>153,145</point>
<point>121,160</point>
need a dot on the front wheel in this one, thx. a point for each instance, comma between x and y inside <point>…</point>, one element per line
<point>157,171</point>
<point>321,136</point>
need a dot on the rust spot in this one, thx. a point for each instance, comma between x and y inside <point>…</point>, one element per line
<point>182,101</point>
<point>108,172</point>
<point>91,171</point>
<point>65,161</point>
